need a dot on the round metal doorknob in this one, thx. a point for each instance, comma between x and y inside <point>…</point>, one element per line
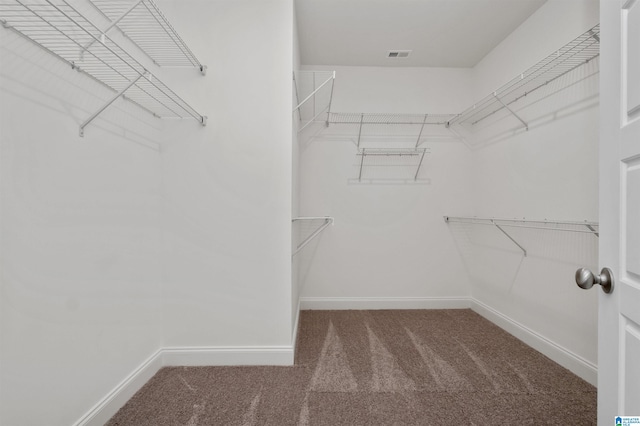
<point>586,279</point>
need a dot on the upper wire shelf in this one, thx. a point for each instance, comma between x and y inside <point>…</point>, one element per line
<point>405,127</point>
<point>63,31</point>
<point>569,57</point>
<point>147,27</point>
<point>314,94</point>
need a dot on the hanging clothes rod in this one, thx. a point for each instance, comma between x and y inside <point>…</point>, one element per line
<point>547,225</point>
<point>327,221</point>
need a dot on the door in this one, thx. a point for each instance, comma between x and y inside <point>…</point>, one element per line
<point>619,311</point>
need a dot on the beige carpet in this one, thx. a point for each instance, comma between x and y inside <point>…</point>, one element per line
<point>419,367</point>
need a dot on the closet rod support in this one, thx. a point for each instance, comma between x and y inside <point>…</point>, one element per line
<point>415,178</point>
<point>112,100</point>
<point>511,238</point>
<point>361,164</point>
<point>359,135</point>
<point>526,126</point>
<point>308,123</point>
<point>328,221</point>
<point>314,92</point>
<point>112,25</point>
<point>421,130</point>
<point>592,229</point>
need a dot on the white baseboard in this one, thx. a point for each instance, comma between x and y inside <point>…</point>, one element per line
<point>364,303</point>
<point>110,404</point>
<point>284,355</point>
<point>220,355</point>
<point>196,356</point>
<point>569,360</point>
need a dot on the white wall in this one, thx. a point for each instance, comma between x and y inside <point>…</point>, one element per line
<point>81,237</point>
<point>295,205</point>
<point>145,234</point>
<point>228,186</point>
<point>548,172</point>
<point>388,241</point>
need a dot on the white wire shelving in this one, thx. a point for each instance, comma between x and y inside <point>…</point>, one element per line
<point>568,58</point>
<point>409,128</point>
<point>390,164</point>
<point>146,26</point>
<point>310,228</point>
<point>313,91</point>
<point>584,227</point>
<point>63,31</point>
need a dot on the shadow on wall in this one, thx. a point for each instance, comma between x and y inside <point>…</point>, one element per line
<point>491,258</point>
<point>570,94</point>
<point>44,80</point>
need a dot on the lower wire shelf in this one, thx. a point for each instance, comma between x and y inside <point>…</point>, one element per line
<point>313,226</point>
<point>586,227</point>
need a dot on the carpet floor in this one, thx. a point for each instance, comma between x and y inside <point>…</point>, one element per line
<point>415,367</point>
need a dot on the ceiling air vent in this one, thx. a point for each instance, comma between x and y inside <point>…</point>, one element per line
<point>398,53</point>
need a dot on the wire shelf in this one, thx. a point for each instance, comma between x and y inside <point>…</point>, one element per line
<point>308,228</point>
<point>314,93</point>
<point>63,31</point>
<point>384,164</point>
<point>389,119</point>
<point>147,27</point>
<point>584,227</point>
<point>569,57</point>
<point>381,130</point>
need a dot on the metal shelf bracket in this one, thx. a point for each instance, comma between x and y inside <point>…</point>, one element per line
<point>327,221</point>
<point>311,96</point>
<point>109,102</point>
<point>526,126</point>
<point>421,130</point>
<point>511,238</point>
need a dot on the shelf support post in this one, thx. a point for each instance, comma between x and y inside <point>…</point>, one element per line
<point>109,102</point>
<point>415,178</point>
<point>360,130</point>
<point>510,237</point>
<point>361,164</point>
<point>421,130</point>
<point>333,83</point>
<point>526,126</point>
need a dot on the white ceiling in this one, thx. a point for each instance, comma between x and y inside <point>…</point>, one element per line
<point>441,33</point>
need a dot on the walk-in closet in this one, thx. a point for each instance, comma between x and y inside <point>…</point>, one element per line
<point>317,211</point>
